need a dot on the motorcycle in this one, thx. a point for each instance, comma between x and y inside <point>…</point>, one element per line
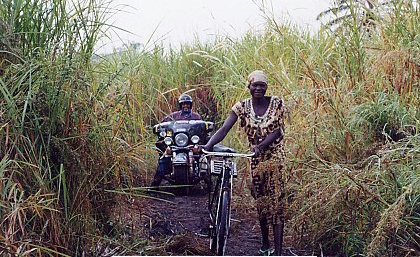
<point>178,142</point>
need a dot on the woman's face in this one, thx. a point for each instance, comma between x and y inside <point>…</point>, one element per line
<point>258,89</point>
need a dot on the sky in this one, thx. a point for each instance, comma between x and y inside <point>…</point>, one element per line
<point>175,22</point>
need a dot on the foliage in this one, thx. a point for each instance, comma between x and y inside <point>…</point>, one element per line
<point>75,127</point>
<point>55,170</point>
<point>363,15</point>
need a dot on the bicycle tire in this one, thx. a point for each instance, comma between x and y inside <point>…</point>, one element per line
<point>223,226</point>
<point>213,205</point>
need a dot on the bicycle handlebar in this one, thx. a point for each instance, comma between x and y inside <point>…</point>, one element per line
<point>228,154</point>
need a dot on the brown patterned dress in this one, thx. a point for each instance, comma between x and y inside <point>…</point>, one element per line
<point>267,183</point>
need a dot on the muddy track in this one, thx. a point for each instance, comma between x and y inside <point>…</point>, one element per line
<point>188,215</point>
<point>176,225</point>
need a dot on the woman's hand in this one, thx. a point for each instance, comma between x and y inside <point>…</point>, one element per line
<point>204,147</point>
<point>256,150</point>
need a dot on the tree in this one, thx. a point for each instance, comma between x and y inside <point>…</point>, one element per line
<point>365,14</point>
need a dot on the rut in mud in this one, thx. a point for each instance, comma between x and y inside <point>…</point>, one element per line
<point>177,225</point>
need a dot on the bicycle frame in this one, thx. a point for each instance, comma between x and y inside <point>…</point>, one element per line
<point>223,171</point>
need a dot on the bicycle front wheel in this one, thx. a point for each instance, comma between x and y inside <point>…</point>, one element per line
<point>224,223</point>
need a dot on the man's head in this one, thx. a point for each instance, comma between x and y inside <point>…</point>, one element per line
<point>185,103</point>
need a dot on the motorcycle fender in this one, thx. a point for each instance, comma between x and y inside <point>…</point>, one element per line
<point>180,159</point>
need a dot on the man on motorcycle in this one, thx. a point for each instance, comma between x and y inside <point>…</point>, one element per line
<point>185,112</point>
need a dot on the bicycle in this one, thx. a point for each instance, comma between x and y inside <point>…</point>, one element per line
<point>223,171</point>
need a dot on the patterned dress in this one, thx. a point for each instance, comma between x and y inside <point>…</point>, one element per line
<point>267,183</point>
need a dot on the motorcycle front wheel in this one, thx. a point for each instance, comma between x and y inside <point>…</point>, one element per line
<point>181,180</point>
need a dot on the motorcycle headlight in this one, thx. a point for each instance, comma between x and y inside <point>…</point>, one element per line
<point>162,133</point>
<point>181,139</point>
<point>167,141</point>
<point>195,139</point>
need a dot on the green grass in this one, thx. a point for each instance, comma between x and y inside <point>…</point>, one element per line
<point>75,128</point>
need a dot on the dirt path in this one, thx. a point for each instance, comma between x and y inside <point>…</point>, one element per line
<point>174,225</point>
<point>189,214</point>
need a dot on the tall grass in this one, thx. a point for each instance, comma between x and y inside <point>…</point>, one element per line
<point>348,192</point>
<point>76,127</point>
<point>57,163</point>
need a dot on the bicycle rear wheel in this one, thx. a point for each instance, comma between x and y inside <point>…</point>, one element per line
<point>222,231</point>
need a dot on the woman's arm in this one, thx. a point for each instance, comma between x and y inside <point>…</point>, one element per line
<point>278,133</point>
<point>222,132</point>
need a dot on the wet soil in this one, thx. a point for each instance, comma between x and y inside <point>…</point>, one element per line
<point>178,225</point>
<point>189,215</point>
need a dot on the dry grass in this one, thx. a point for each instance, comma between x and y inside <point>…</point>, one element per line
<point>73,131</point>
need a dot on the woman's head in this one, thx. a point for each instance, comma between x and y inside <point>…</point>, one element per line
<point>257,83</point>
<point>257,76</point>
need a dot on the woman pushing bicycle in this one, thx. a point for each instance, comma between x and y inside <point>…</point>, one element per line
<point>262,119</point>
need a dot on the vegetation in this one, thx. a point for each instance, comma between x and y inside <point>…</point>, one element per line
<point>75,127</point>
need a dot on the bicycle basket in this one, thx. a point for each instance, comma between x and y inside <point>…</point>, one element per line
<point>216,166</point>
